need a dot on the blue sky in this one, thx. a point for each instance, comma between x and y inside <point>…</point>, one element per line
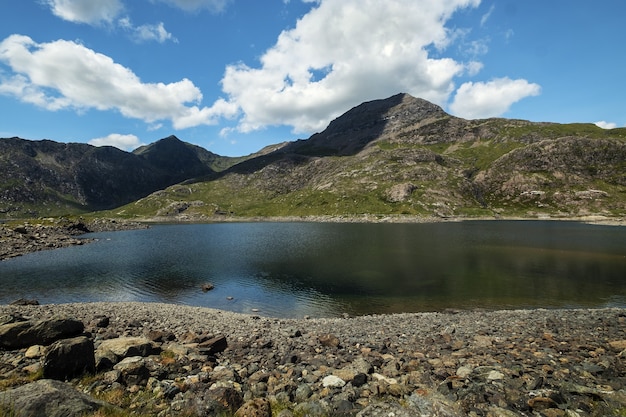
<point>236,75</point>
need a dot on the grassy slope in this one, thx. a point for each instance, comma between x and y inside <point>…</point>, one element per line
<point>443,176</point>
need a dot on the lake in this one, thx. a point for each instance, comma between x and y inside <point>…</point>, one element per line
<point>328,269</point>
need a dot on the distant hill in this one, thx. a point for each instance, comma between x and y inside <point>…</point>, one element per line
<point>397,156</point>
<point>50,178</point>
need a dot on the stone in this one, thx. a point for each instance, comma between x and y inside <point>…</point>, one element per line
<point>101,322</point>
<point>26,333</point>
<point>226,398</point>
<point>214,345</point>
<point>124,347</point>
<point>133,371</point>
<point>346,374</point>
<point>50,398</point>
<point>69,358</point>
<point>329,340</point>
<point>303,392</point>
<point>618,344</point>
<point>333,381</point>
<point>359,380</point>
<point>35,351</point>
<point>258,407</point>
<point>464,371</point>
<point>495,375</point>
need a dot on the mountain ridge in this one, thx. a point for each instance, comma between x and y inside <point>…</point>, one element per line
<point>395,156</point>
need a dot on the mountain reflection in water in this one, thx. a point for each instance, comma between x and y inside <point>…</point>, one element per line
<point>327,269</point>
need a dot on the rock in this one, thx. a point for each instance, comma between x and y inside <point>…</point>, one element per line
<point>359,380</point>
<point>346,374</point>
<point>35,351</point>
<point>227,398</point>
<point>25,334</point>
<point>618,345</point>
<point>124,347</point>
<point>464,371</point>
<point>49,398</point>
<point>101,322</point>
<point>11,318</point>
<point>133,370</point>
<point>332,381</point>
<point>214,345</point>
<point>259,407</point>
<point>207,287</point>
<point>495,375</point>
<point>400,192</point>
<point>68,358</point>
<point>160,336</point>
<point>24,302</point>
<point>303,392</point>
<point>329,340</point>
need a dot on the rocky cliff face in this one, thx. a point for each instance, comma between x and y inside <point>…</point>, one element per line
<point>397,156</point>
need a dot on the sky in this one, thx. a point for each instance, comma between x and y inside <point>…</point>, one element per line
<point>234,76</point>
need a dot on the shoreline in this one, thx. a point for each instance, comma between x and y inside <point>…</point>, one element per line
<point>27,236</point>
<point>497,363</point>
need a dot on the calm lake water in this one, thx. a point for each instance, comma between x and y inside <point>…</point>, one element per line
<point>322,269</point>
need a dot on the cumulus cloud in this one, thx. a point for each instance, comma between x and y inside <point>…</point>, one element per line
<point>196,5</point>
<point>123,142</point>
<point>107,11</point>
<point>86,11</point>
<point>64,74</point>
<point>490,99</point>
<point>344,52</point>
<point>606,125</point>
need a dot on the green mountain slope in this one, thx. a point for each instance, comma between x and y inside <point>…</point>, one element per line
<point>406,156</point>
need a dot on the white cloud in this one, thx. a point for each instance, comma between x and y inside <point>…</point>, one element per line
<point>145,33</point>
<point>344,52</point>
<point>123,142</point>
<point>86,11</point>
<point>490,99</point>
<point>606,125</point>
<point>486,16</point>
<point>64,74</point>
<point>196,5</point>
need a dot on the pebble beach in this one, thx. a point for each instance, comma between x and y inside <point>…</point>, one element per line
<point>457,363</point>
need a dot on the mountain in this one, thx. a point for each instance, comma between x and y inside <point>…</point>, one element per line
<point>396,156</point>
<point>50,178</point>
<point>405,156</point>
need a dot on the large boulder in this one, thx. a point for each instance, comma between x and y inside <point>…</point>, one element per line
<point>27,333</point>
<point>49,398</point>
<point>112,351</point>
<point>124,347</point>
<point>68,358</point>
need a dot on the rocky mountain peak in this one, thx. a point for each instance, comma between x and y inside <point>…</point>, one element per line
<point>352,131</point>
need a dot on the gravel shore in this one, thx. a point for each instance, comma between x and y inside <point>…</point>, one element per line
<point>498,363</point>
